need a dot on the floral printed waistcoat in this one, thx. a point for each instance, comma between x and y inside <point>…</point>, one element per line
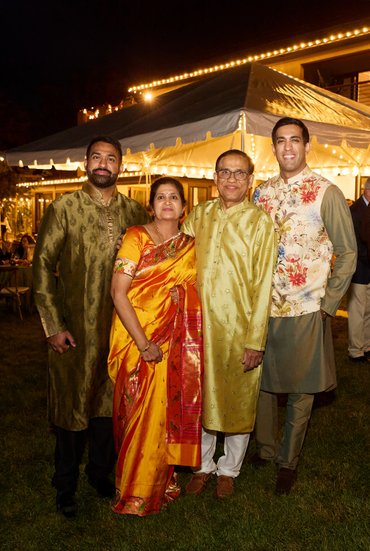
<point>305,250</point>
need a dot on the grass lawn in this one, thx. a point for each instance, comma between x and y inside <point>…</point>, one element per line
<point>329,508</point>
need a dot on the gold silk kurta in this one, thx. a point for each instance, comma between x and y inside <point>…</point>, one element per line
<point>77,240</point>
<point>236,254</point>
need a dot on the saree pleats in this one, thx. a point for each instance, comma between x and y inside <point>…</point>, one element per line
<point>157,407</point>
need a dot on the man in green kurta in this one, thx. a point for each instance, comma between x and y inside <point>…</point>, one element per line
<point>72,270</point>
<point>236,254</point>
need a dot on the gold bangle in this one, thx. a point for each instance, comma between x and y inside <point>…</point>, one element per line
<point>146,348</point>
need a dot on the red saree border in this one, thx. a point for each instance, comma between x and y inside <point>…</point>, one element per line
<point>184,380</point>
<point>164,251</point>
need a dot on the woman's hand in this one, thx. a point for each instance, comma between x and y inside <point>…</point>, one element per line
<point>151,353</point>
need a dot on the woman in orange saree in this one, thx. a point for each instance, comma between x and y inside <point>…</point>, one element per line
<point>155,358</point>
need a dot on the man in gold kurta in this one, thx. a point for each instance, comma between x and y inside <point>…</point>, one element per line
<point>236,253</point>
<point>72,271</point>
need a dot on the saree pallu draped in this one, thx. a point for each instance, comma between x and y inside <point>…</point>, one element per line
<point>157,407</point>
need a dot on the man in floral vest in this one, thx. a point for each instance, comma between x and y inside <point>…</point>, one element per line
<point>313,223</point>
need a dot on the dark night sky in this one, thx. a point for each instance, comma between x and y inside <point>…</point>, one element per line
<point>61,55</point>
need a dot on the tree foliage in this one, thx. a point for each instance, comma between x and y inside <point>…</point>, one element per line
<point>8,180</point>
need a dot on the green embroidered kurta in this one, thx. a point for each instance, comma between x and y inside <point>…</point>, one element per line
<point>77,240</point>
<point>235,254</point>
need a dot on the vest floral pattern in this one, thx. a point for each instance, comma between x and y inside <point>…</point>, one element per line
<point>305,250</point>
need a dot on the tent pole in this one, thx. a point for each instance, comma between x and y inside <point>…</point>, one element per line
<point>148,181</point>
<point>243,131</point>
<point>358,186</point>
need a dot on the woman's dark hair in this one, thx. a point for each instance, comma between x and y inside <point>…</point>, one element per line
<point>166,180</point>
<point>19,251</point>
<point>30,239</point>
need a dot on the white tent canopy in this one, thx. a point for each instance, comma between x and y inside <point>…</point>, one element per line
<point>186,129</point>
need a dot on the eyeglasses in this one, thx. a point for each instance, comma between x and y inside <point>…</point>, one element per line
<point>225,173</point>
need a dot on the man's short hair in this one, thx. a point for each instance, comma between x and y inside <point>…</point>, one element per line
<point>236,152</point>
<point>290,120</point>
<point>105,139</point>
<point>367,184</point>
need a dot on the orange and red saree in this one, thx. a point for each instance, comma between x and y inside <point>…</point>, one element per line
<point>157,407</point>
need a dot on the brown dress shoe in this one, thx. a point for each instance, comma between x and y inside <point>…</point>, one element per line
<point>225,487</point>
<point>285,481</point>
<point>197,484</point>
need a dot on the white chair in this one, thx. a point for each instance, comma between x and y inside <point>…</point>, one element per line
<point>9,288</point>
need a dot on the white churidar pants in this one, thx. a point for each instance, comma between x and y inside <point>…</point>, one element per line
<point>229,464</point>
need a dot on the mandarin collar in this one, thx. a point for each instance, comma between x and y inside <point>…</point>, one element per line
<point>97,196</point>
<point>234,208</point>
<point>297,178</point>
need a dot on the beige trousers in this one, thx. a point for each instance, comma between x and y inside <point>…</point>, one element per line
<point>358,319</point>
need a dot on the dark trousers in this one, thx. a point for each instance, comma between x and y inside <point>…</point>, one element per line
<point>69,449</point>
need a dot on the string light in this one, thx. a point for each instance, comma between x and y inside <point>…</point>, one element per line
<point>197,172</point>
<point>52,182</point>
<point>276,53</point>
<point>148,96</point>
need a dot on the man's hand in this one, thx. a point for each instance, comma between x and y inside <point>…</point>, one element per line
<point>119,242</point>
<point>251,359</point>
<point>61,342</point>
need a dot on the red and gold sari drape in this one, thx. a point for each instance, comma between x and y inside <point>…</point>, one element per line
<point>157,407</point>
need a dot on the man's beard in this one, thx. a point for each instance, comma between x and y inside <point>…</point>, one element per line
<point>102,181</point>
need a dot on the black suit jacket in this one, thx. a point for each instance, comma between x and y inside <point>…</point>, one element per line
<point>361,222</point>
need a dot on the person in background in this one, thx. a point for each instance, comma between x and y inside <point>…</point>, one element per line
<point>5,251</point>
<point>77,237</point>
<point>236,254</point>
<point>4,226</point>
<point>22,252</point>
<point>358,304</point>
<point>313,222</point>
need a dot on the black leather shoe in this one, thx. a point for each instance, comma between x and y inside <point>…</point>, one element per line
<point>66,504</point>
<point>103,486</point>
<point>257,462</point>
<point>285,481</point>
